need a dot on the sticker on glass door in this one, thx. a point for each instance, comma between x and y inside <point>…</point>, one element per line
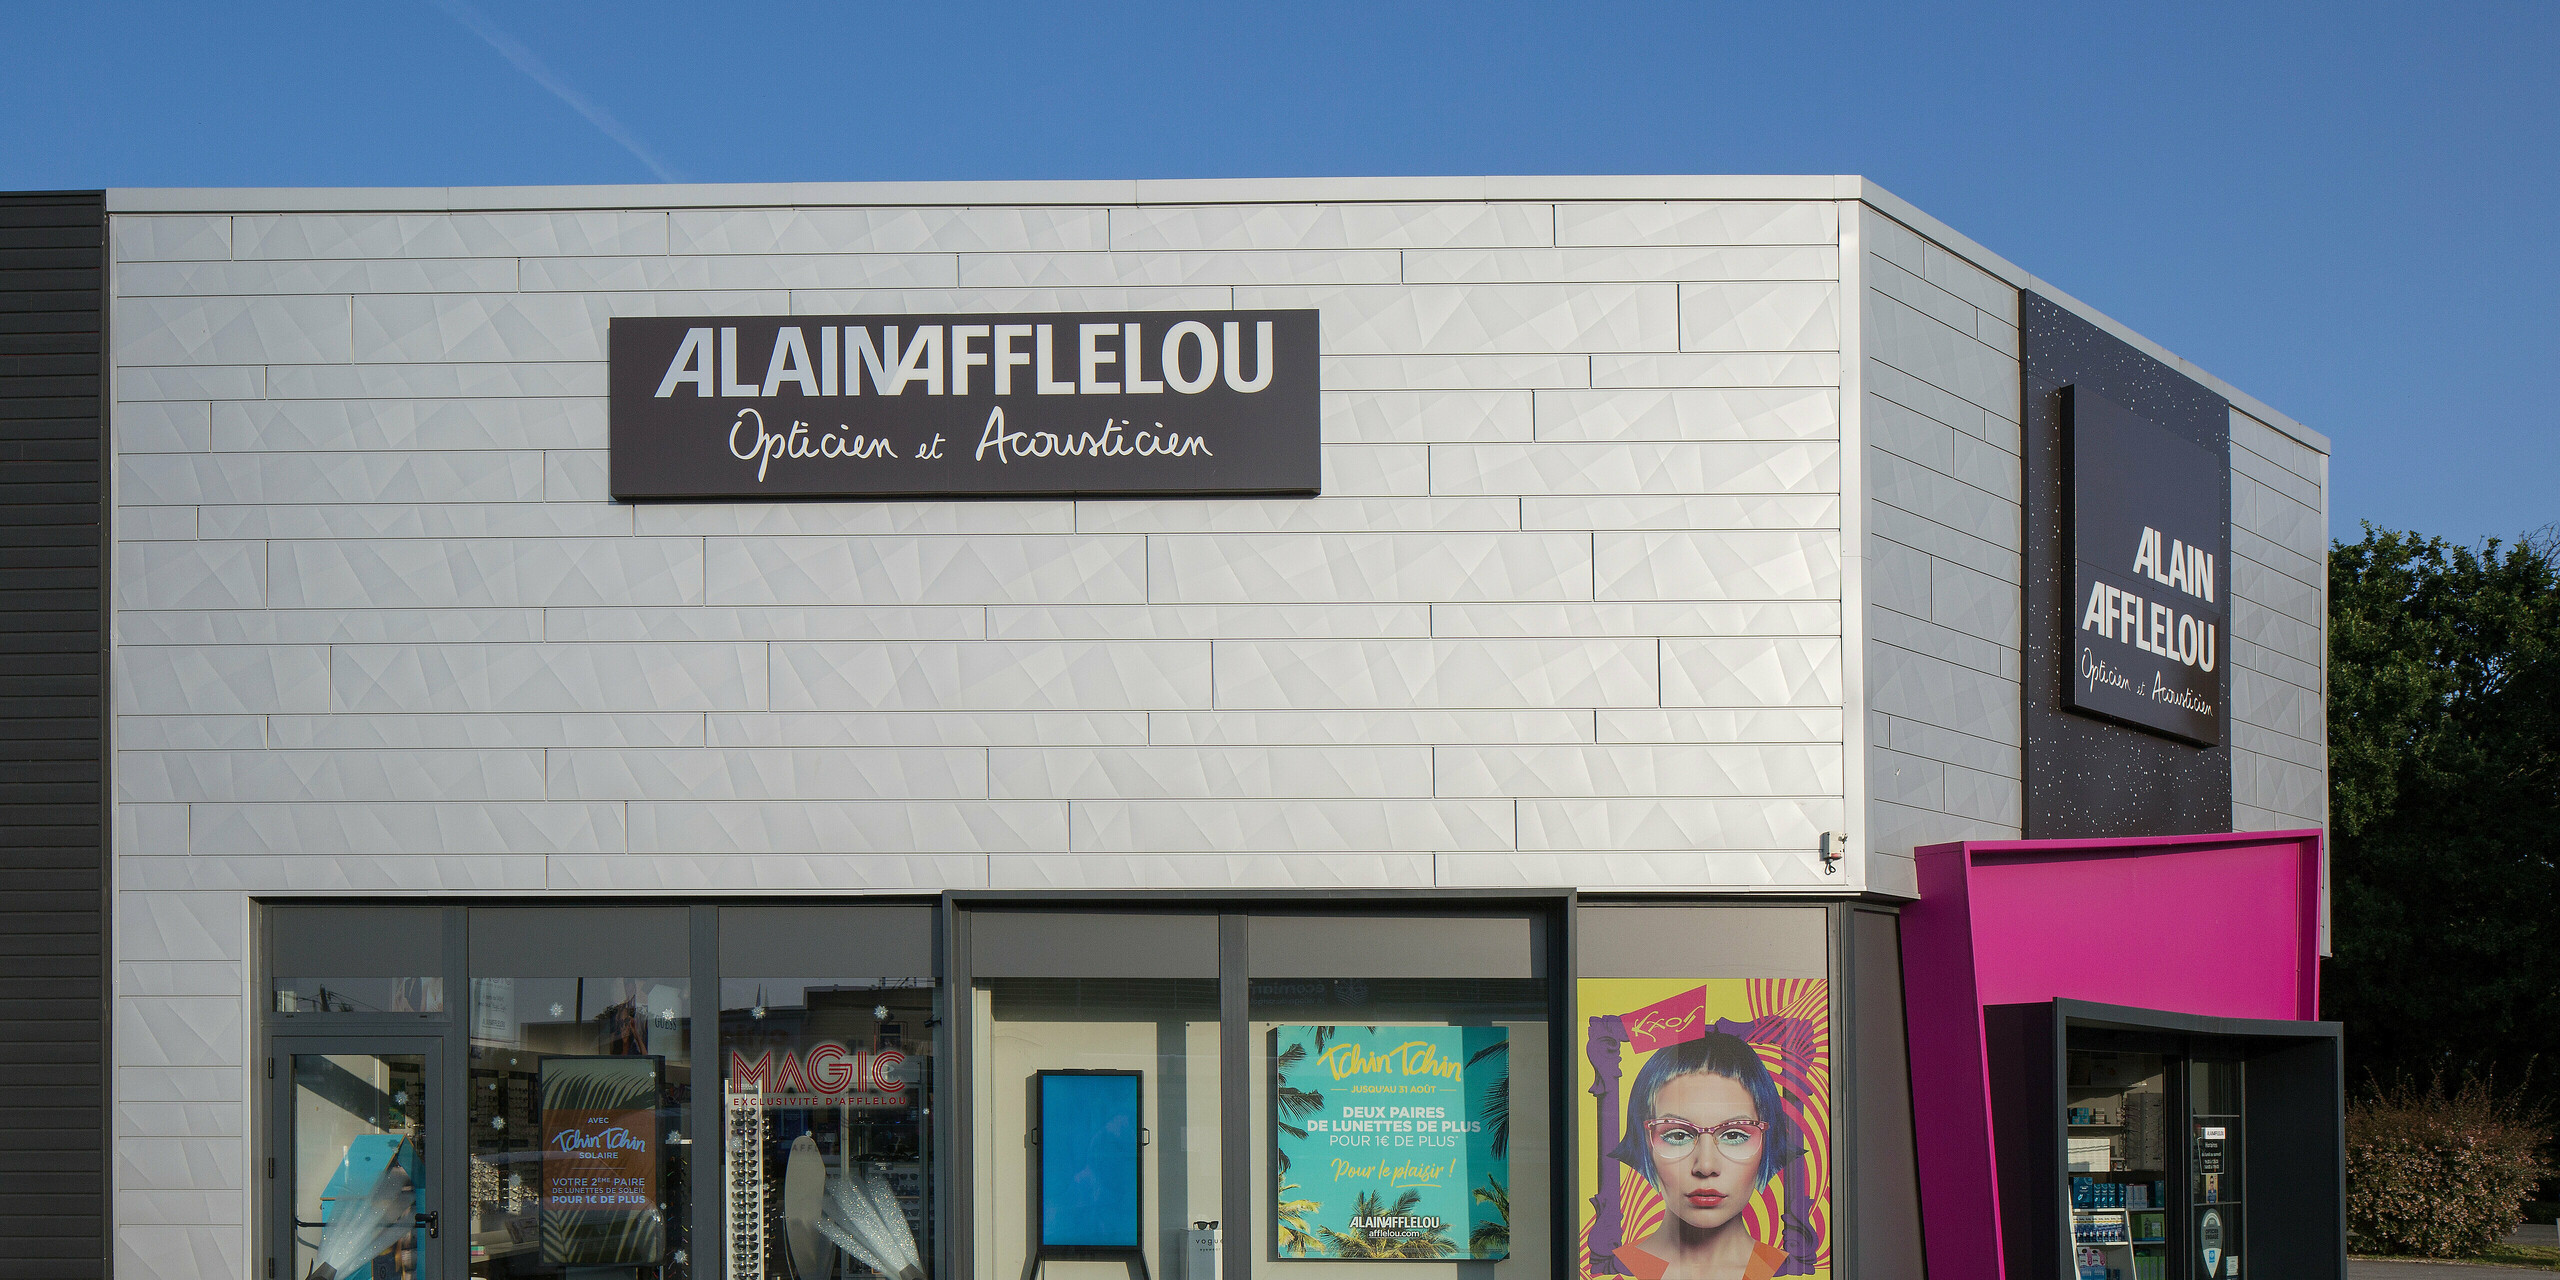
<point>360,1182</point>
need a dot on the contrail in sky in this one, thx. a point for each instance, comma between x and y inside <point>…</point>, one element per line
<point>523,60</point>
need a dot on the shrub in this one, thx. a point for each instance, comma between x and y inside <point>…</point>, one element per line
<point>2439,1173</point>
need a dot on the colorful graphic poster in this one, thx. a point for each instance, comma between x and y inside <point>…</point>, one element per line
<point>1391,1144</point>
<point>600,1161</point>
<point>1706,1127</point>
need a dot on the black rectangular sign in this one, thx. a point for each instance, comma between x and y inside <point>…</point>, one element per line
<point>1142,402</point>
<point>2150,571</point>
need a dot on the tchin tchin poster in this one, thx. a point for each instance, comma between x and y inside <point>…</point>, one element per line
<point>1705,1129</point>
<point>1391,1144</point>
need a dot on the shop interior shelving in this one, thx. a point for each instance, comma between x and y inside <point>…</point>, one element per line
<point>2116,1131</point>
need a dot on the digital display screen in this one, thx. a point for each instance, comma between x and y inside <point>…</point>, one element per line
<point>1089,1136</point>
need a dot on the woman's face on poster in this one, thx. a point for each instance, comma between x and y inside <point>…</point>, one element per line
<point>1707,1139</point>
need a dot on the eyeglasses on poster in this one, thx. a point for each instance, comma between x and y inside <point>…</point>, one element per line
<point>1705,1128</point>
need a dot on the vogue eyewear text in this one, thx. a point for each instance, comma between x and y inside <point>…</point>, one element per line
<point>1676,1139</point>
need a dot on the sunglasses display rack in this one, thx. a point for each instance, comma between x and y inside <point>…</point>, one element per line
<point>743,1183</point>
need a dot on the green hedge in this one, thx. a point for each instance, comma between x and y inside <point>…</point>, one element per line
<point>2438,1173</point>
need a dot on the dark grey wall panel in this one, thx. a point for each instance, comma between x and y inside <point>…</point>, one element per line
<point>2295,1100</point>
<point>1092,944</point>
<point>582,942</point>
<point>1702,942</point>
<point>854,941</point>
<point>53,904</point>
<point>1885,1160</point>
<point>354,942</point>
<point>2089,777</point>
<point>1290,946</point>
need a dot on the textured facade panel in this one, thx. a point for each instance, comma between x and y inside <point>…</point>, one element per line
<point>846,827</point>
<point>1639,618</point>
<point>1332,226</point>
<point>1394,674</point>
<point>1450,319</point>
<point>1279,826</point>
<point>1170,268</point>
<point>1775,671</point>
<point>1627,770</point>
<point>1300,515</point>
<point>986,569</point>
<point>485,573</point>
<point>1739,413</point>
<point>324,276</point>
<point>741,271</point>
<point>886,230</point>
<point>1199,772</point>
<point>1241,728</point>
<point>1599,265</point>
<point>1206,621</point>
<point>1699,222</point>
<point>547,677</point>
<point>1425,417</point>
<point>731,773</point>
<point>1211,871</point>
<point>1716,565</point>
<point>1754,316</point>
<point>227,331</point>
<point>435,830</point>
<point>348,426</point>
<point>1015,676</point>
<point>1318,568</point>
<point>453,235</point>
<point>1683,468</point>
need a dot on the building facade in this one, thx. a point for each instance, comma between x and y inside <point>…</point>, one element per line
<point>965,883</point>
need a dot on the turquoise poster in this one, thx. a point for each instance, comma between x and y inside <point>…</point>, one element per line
<point>1391,1144</point>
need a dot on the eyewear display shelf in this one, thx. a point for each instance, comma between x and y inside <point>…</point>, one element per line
<point>2116,1135</point>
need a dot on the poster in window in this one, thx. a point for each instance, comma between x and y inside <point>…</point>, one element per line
<point>1391,1144</point>
<point>1705,1127</point>
<point>600,1161</point>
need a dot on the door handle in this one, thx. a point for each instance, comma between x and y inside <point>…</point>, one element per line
<point>430,1220</point>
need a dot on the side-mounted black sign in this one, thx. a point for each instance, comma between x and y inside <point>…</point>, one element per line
<point>2150,571</point>
<point>1083,403</point>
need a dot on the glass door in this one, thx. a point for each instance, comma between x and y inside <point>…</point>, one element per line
<point>2216,1147</point>
<point>354,1175</point>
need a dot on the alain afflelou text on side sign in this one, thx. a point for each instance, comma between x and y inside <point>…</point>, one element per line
<point>1154,402</point>
<point>2150,571</point>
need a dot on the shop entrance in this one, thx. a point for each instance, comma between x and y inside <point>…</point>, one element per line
<point>355,1169</point>
<point>2182,1147</point>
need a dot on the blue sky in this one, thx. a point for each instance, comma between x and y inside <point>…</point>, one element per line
<point>2346,209</point>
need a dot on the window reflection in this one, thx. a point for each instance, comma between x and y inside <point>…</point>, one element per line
<point>517,1022</point>
<point>826,1106</point>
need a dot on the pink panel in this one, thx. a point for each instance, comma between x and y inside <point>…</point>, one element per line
<point>2221,930</point>
<point>2215,925</point>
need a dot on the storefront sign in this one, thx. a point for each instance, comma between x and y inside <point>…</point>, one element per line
<point>600,1161</point>
<point>1706,1118</point>
<point>1391,1144</point>
<point>826,1075</point>
<point>2150,572</point>
<point>1149,402</point>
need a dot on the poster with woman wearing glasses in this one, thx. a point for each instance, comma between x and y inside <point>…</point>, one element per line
<point>1707,1128</point>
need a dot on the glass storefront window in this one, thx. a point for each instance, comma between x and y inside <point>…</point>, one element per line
<point>581,1126</point>
<point>826,1113</point>
<point>1164,1031</point>
<point>359,995</point>
<point>1400,1119</point>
